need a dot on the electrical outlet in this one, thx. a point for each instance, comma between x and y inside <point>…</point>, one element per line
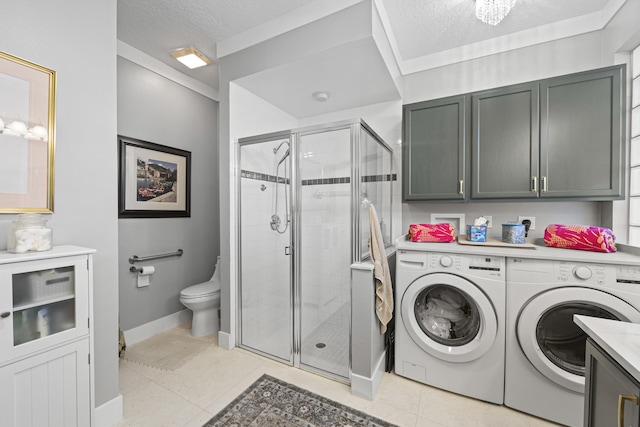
<point>489,219</point>
<point>530,218</point>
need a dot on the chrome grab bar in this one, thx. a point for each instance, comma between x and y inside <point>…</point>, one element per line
<point>137,258</point>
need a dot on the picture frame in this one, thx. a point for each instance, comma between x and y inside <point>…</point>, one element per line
<point>154,181</point>
<point>456,220</point>
<point>27,135</point>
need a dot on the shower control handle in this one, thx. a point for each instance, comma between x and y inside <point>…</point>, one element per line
<point>287,250</point>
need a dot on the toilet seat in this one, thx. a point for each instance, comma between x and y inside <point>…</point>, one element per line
<point>201,290</point>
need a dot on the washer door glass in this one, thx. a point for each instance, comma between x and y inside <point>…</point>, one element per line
<point>550,340</point>
<point>561,340</point>
<point>447,315</point>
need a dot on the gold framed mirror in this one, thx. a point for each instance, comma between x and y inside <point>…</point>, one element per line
<point>27,136</point>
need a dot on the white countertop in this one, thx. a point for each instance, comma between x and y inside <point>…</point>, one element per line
<point>540,251</point>
<point>56,251</point>
<point>621,340</point>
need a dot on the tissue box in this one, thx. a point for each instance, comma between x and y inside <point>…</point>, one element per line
<point>477,233</point>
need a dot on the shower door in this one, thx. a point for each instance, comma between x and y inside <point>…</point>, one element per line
<point>323,258</point>
<point>265,291</point>
<point>296,223</point>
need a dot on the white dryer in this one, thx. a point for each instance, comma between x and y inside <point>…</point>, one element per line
<point>450,320</point>
<point>545,349</point>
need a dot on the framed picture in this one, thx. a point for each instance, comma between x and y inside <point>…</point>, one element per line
<point>27,131</point>
<point>154,180</point>
<point>456,220</point>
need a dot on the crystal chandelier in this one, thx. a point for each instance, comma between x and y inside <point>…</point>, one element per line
<point>493,11</point>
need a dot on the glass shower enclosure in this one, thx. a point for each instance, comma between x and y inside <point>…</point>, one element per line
<point>303,220</point>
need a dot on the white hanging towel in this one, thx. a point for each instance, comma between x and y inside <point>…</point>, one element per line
<point>384,290</point>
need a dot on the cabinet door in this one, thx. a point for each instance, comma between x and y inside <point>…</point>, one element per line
<point>582,135</point>
<point>605,383</point>
<point>50,389</point>
<point>48,304</point>
<point>434,144</point>
<point>505,142</point>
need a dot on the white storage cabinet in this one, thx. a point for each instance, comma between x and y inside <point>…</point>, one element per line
<point>46,340</point>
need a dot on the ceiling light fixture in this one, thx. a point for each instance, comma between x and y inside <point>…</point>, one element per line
<point>493,11</point>
<point>191,57</point>
<point>320,96</point>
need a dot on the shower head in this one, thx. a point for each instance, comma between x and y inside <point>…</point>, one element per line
<point>286,154</point>
<point>275,150</point>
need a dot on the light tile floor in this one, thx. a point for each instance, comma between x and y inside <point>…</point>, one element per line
<point>191,395</point>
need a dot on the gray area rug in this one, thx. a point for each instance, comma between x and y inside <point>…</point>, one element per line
<point>270,402</point>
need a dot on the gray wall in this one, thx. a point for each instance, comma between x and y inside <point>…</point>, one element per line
<point>155,109</point>
<point>77,39</point>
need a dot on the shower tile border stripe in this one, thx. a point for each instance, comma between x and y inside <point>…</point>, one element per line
<point>319,181</point>
<point>325,181</point>
<point>379,178</point>
<point>263,177</point>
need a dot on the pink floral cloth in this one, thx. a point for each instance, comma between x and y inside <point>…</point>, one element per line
<point>581,237</point>
<point>443,232</point>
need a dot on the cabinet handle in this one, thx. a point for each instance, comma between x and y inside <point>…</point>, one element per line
<point>544,184</point>
<point>461,187</point>
<point>5,314</point>
<point>622,398</point>
<point>534,184</point>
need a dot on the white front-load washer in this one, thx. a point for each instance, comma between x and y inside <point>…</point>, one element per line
<point>545,349</point>
<point>450,320</point>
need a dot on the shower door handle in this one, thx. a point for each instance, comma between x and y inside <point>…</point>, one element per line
<point>287,250</point>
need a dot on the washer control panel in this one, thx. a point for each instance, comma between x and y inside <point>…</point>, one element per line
<point>474,265</point>
<point>445,261</point>
<point>628,274</point>
<point>487,263</point>
<point>570,272</point>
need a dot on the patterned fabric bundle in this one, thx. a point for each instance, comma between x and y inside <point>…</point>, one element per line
<point>581,237</point>
<point>432,232</point>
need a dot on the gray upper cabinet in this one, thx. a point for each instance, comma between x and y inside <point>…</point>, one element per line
<point>558,138</point>
<point>581,149</point>
<point>505,142</point>
<point>434,141</point>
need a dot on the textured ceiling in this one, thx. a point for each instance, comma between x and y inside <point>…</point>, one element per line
<point>423,27</point>
<point>156,27</point>
<point>419,29</point>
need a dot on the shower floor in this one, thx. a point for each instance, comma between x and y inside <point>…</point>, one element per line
<point>326,347</point>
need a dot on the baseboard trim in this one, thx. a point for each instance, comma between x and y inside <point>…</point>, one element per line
<point>150,329</point>
<point>226,340</point>
<point>110,413</point>
<point>367,387</point>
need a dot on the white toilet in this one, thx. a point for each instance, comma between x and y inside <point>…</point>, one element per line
<point>203,300</point>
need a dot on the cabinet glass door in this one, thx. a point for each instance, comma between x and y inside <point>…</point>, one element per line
<point>43,303</point>
<point>48,304</point>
